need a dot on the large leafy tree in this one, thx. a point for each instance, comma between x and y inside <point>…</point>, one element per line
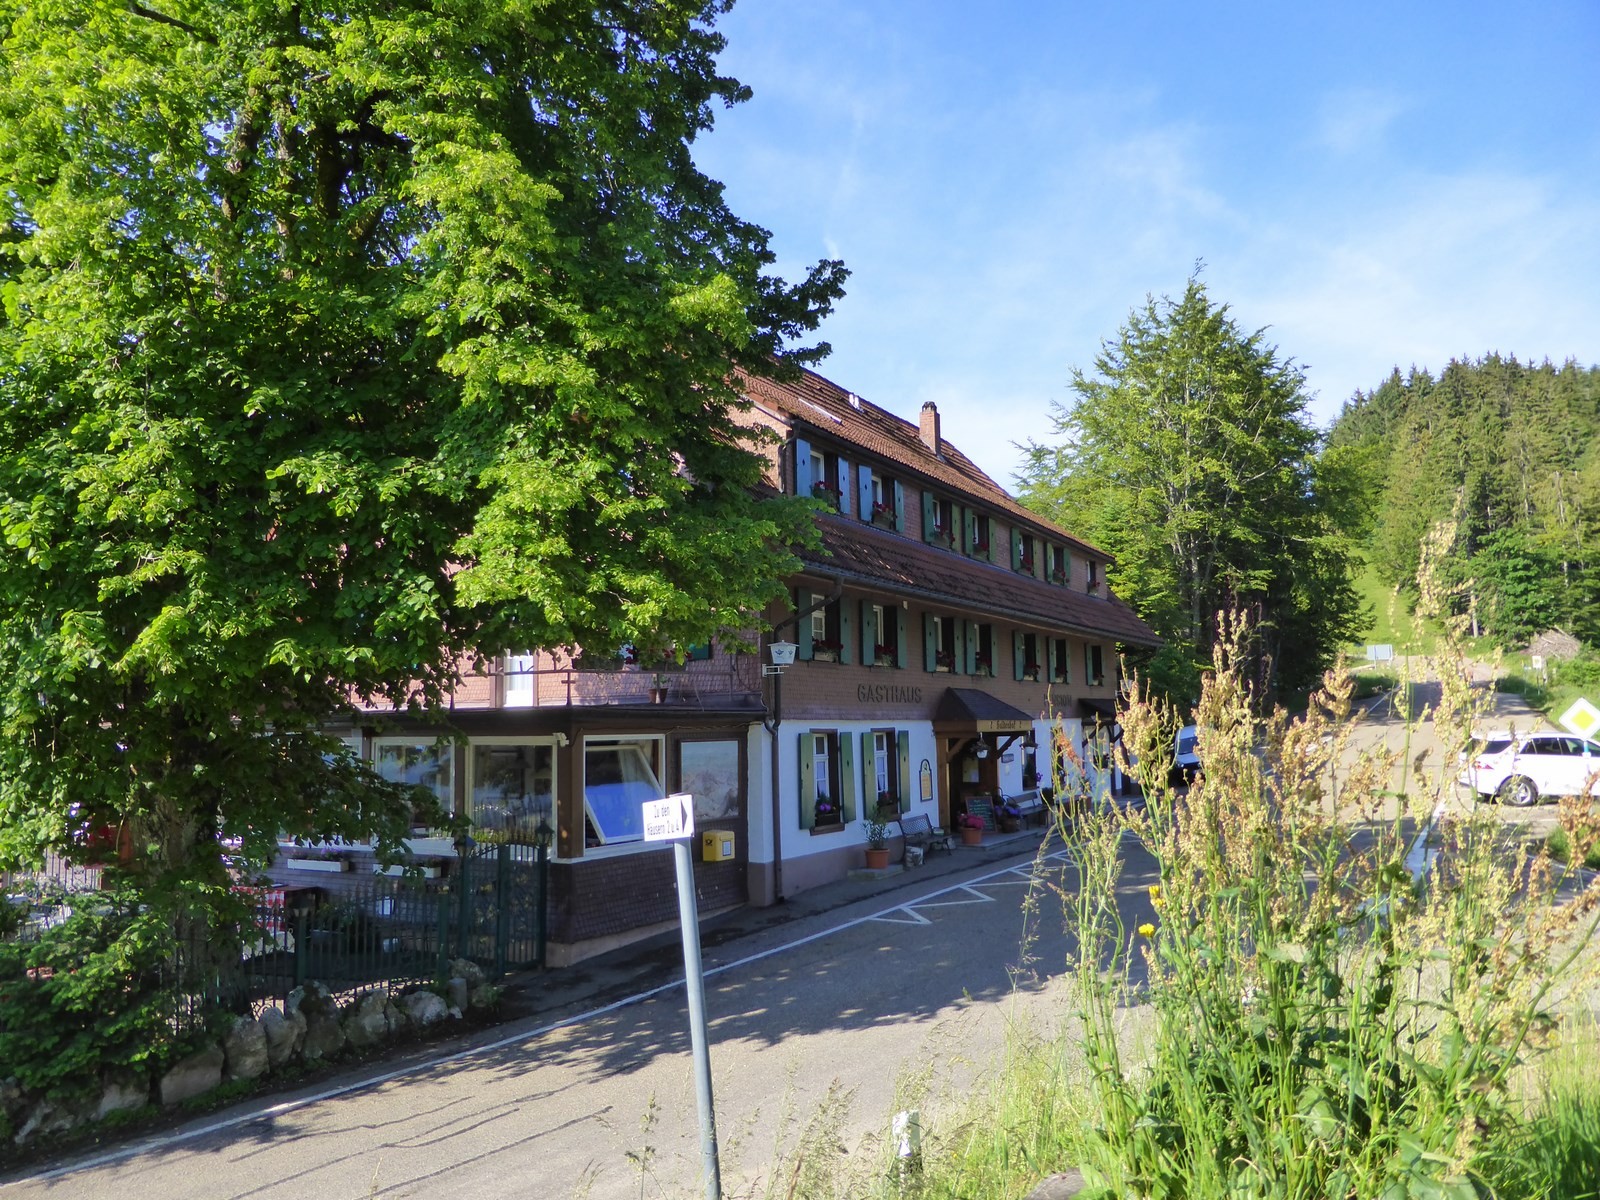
<point>1189,457</point>
<point>342,343</point>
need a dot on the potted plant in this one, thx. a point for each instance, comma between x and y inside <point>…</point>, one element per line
<point>877,841</point>
<point>970,826</point>
<point>1008,815</point>
<point>827,811</point>
<point>826,649</point>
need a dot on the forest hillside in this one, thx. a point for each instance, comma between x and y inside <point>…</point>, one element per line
<point>1510,453</point>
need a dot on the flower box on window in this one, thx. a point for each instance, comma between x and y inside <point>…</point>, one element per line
<point>1061,675</point>
<point>980,546</point>
<point>826,649</point>
<point>883,513</point>
<point>823,490</point>
<point>943,660</point>
<point>883,656</point>
<point>983,664</point>
<point>1031,671</point>
<point>828,812</point>
<point>1058,576</point>
<point>1025,564</point>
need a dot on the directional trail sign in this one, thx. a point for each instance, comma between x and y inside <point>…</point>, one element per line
<point>669,819</point>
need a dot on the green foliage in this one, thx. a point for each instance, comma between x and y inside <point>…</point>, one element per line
<point>1507,451</point>
<point>99,999</point>
<point>1189,457</point>
<point>1325,1023</point>
<point>339,345</point>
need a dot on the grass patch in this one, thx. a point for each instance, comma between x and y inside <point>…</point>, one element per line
<point>1560,847</point>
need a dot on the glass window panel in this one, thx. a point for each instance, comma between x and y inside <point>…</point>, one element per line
<point>618,778</point>
<point>513,787</point>
<point>710,773</point>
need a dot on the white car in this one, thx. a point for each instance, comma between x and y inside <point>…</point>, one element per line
<point>1520,767</point>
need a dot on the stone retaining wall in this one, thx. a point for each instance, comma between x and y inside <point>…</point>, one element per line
<point>311,1026</point>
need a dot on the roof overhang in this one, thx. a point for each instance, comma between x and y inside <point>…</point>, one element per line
<point>969,711</point>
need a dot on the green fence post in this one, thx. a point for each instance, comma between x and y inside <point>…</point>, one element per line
<point>444,934</point>
<point>502,906</point>
<point>543,857</point>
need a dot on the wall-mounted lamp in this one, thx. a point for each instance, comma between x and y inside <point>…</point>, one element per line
<point>782,656</point>
<point>1030,741</point>
<point>982,750</point>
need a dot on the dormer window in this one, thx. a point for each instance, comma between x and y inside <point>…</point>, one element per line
<point>1093,572</point>
<point>1058,566</point>
<point>882,499</point>
<point>1022,552</point>
<point>939,519</point>
<point>978,536</point>
<point>827,472</point>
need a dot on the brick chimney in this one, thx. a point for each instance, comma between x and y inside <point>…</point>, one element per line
<point>930,426</point>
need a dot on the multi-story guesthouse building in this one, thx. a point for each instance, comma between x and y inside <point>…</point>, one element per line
<point>941,629</point>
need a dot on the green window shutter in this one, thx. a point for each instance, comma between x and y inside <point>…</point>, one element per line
<point>1053,665</point>
<point>802,634</point>
<point>930,644</point>
<point>844,488</point>
<point>1019,648</point>
<point>1066,660</point>
<point>847,634</point>
<point>864,492</point>
<point>969,530</point>
<point>802,468</point>
<point>869,634</point>
<point>899,507</point>
<point>902,652</point>
<point>808,784</point>
<point>847,778</point>
<point>963,663</point>
<point>1016,549</point>
<point>869,775</point>
<point>927,515</point>
<point>903,784</point>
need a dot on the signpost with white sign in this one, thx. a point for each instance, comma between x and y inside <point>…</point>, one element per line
<point>672,820</point>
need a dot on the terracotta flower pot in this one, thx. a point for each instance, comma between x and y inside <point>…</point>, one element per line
<point>878,858</point>
<point>971,837</point>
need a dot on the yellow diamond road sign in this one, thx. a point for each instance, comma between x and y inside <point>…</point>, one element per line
<point>1582,718</point>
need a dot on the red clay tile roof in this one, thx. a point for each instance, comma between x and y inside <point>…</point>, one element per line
<point>892,562</point>
<point>826,408</point>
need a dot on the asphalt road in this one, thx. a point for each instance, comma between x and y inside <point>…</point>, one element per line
<point>925,980</point>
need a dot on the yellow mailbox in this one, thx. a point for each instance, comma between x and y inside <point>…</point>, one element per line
<point>716,845</point>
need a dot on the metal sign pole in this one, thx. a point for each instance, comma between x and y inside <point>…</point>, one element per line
<point>695,985</point>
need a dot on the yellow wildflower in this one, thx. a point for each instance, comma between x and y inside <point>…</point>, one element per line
<point>1147,930</point>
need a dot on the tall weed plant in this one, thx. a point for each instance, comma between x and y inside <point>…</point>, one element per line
<point>1328,1019</point>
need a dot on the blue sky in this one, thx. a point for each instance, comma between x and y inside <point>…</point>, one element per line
<point>1378,184</point>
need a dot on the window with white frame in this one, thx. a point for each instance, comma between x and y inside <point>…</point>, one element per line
<point>883,762</point>
<point>518,690</point>
<point>619,775</point>
<point>511,785</point>
<point>1058,565</point>
<point>418,762</point>
<point>822,793</point>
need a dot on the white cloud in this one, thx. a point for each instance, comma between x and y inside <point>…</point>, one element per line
<point>1357,118</point>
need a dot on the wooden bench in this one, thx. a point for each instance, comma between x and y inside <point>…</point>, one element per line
<point>1032,808</point>
<point>920,832</point>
